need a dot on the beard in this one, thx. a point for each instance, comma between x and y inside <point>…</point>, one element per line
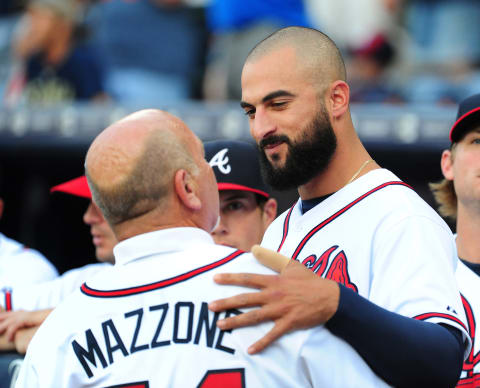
<point>305,158</point>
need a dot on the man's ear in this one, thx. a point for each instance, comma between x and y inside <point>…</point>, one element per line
<point>446,163</point>
<point>269,211</point>
<point>339,98</point>
<point>186,190</point>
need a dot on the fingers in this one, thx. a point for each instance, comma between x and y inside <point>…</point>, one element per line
<point>250,318</point>
<point>270,259</point>
<point>23,338</point>
<point>278,330</point>
<point>238,301</point>
<point>13,328</point>
<point>245,279</point>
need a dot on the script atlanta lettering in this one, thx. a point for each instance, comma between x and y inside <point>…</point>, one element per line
<point>186,328</point>
<point>337,270</point>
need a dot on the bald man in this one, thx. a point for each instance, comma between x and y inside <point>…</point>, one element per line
<point>385,259</point>
<point>145,322</point>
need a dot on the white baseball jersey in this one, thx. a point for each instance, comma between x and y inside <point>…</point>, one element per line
<point>20,265</point>
<point>48,294</point>
<point>377,237</point>
<point>469,284</point>
<point>145,323</point>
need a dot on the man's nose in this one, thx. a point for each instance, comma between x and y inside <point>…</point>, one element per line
<point>261,125</point>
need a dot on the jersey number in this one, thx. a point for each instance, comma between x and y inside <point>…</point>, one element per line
<point>220,378</point>
<point>139,384</point>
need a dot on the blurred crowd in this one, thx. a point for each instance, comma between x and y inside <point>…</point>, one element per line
<point>156,52</point>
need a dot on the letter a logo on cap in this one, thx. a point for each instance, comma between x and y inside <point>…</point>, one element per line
<point>220,160</point>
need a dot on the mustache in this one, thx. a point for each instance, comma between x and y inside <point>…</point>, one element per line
<point>272,139</point>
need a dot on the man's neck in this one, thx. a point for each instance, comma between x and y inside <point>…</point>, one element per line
<point>332,180</point>
<point>347,162</point>
<point>468,232</point>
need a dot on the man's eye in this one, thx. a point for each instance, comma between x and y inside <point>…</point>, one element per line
<point>250,112</point>
<point>232,206</point>
<point>476,140</point>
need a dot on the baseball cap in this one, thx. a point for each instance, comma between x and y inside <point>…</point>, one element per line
<point>468,114</point>
<point>77,186</point>
<point>236,166</point>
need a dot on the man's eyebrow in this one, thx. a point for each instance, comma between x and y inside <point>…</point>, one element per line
<point>268,97</point>
<point>278,93</point>
<point>234,196</point>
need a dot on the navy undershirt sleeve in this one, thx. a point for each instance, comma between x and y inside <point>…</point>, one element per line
<point>403,351</point>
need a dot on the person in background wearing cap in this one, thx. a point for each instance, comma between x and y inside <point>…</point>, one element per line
<point>20,265</point>
<point>246,207</point>
<point>458,197</point>
<point>28,306</point>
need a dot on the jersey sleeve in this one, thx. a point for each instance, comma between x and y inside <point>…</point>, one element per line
<point>414,272</point>
<point>28,266</point>
<point>48,294</point>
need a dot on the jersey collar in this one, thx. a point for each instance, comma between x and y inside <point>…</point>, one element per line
<point>159,242</point>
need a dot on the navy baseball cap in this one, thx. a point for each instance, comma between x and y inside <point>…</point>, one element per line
<point>236,166</point>
<point>467,116</point>
<point>78,187</point>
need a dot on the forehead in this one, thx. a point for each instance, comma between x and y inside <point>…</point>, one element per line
<point>229,195</point>
<point>474,131</point>
<point>279,69</point>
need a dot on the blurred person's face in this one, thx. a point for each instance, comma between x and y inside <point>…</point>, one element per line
<point>102,235</point>
<point>287,120</point>
<point>462,165</point>
<point>242,221</point>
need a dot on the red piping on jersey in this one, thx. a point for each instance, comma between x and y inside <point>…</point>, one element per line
<point>471,360</point>
<point>339,213</point>
<point>425,316</point>
<point>157,285</point>
<point>8,300</point>
<point>285,226</point>
<point>469,382</point>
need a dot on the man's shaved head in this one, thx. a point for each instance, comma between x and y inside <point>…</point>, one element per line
<point>316,51</point>
<point>131,165</point>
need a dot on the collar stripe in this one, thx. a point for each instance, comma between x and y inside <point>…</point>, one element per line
<point>341,211</point>
<point>157,285</point>
<point>285,226</point>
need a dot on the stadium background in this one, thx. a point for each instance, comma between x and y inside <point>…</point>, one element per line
<point>44,145</point>
<point>37,151</point>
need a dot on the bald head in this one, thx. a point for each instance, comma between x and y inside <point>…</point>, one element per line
<point>131,165</point>
<point>315,50</point>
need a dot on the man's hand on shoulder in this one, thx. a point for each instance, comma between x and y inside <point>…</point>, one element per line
<point>294,299</point>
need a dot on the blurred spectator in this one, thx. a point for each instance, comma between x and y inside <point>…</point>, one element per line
<point>444,51</point>
<point>236,26</point>
<point>368,72</point>
<point>20,265</point>
<point>154,49</point>
<point>371,38</point>
<point>352,24</point>
<point>54,63</point>
<point>9,14</point>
